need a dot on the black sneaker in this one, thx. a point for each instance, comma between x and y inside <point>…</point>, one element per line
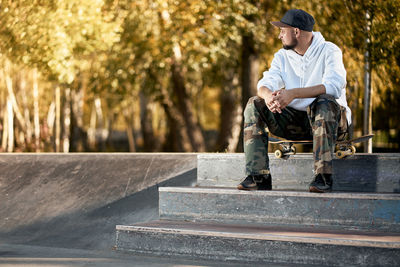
<point>321,183</point>
<point>256,182</point>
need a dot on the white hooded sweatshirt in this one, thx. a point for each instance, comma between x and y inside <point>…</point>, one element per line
<point>321,64</point>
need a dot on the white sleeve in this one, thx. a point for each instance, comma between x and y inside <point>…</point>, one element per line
<point>334,78</point>
<point>272,79</point>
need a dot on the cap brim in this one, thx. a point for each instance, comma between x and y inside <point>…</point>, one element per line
<point>280,24</point>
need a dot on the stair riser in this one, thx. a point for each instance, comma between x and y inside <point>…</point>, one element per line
<point>263,208</point>
<point>253,250</point>
<point>361,173</point>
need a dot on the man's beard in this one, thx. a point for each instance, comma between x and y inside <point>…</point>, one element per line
<point>291,46</point>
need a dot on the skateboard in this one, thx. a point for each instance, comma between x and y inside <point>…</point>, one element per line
<point>344,148</point>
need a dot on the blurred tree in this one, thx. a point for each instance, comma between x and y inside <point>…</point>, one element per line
<point>56,37</point>
<point>171,46</point>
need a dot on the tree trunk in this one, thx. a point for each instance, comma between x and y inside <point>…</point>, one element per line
<point>177,139</point>
<point>28,132</point>
<point>97,122</point>
<point>10,124</point>
<point>249,79</point>
<point>4,136</point>
<point>47,131</point>
<point>129,115</point>
<point>92,129</point>
<point>9,85</point>
<point>101,124</point>
<point>107,131</point>
<point>185,105</point>
<point>67,120</point>
<point>131,137</point>
<point>230,110</point>
<point>51,117</point>
<point>146,123</point>
<point>234,139</point>
<point>250,68</point>
<point>78,134</point>
<point>36,121</point>
<point>58,120</point>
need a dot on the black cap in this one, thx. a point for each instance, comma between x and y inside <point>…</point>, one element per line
<point>296,18</point>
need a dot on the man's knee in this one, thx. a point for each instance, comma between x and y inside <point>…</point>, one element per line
<point>325,108</point>
<point>325,101</point>
<point>253,100</point>
<point>251,109</point>
<point>326,97</point>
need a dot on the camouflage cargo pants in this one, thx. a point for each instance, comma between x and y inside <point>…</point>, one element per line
<point>324,122</point>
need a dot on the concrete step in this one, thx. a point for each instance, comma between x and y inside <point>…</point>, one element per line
<point>360,173</point>
<point>260,244</point>
<point>372,211</point>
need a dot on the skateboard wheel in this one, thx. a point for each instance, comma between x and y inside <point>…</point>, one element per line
<point>278,154</point>
<point>340,154</point>
<point>353,150</point>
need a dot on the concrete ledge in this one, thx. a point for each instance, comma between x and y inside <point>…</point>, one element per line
<point>360,173</point>
<point>259,244</point>
<point>378,212</point>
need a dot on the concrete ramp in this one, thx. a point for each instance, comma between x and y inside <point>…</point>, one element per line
<point>75,200</point>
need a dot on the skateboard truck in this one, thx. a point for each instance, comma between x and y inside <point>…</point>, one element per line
<point>345,151</point>
<point>287,147</point>
<point>285,151</point>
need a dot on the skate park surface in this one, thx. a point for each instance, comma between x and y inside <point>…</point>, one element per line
<point>62,209</point>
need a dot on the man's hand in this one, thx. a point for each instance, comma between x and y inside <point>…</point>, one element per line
<point>274,105</point>
<point>268,97</point>
<point>282,98</point>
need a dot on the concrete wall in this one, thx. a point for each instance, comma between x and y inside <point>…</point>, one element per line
<point>359,173</point>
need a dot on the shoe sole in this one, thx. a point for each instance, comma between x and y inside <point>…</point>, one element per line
<point>241,187</point>
<point>315,189</point>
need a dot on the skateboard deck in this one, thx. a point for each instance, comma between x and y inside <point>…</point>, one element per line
<point>344,148</point>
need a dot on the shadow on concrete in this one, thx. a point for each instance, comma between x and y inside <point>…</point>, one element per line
<point>356,174</point>
<point>94,229</point>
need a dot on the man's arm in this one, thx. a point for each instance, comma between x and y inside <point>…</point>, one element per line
<point>308,92</point>
<point>271,81</point>
<point>283,97</point>
<point>334,77</point>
